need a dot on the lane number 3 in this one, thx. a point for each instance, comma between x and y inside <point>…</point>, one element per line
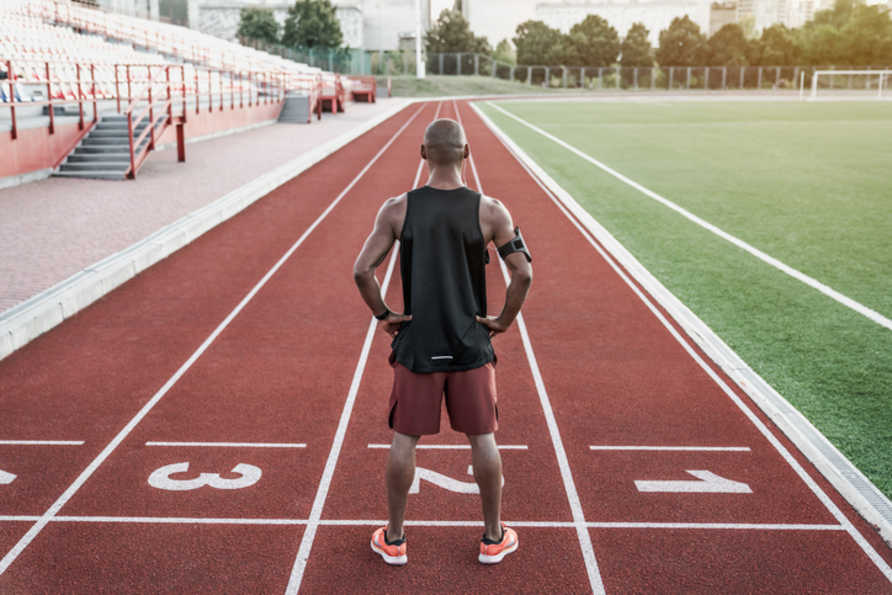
<point>160,478</point>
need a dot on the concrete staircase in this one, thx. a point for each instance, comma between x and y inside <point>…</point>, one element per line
<point>105,152</point>
<point>296,109</point>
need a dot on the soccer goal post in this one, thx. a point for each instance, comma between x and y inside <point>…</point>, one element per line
<point>859,84</point>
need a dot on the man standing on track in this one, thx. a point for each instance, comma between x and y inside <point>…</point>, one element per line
<point>441,344</point>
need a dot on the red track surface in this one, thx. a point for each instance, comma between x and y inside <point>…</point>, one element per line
<point>280,372</point>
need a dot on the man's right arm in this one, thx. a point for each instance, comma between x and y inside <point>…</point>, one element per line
<point>498,222</point>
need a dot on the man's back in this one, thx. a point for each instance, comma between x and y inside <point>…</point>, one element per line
<point>442,262</point>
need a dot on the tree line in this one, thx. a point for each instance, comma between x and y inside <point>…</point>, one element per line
<point>310,24</point>
<point>849,34</point>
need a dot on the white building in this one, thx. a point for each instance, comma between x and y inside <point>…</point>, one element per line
<point>146,9</point>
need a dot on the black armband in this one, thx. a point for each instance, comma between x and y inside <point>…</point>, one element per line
<point>383,315</point>
<point>515,245</point>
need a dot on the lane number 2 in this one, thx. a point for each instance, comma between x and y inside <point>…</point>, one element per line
<point>160,478</point>
<point>445,482</point>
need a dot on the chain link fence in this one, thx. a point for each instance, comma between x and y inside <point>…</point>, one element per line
<point>402,63</point>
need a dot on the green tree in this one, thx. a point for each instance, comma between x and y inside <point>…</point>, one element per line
<point>727,47</point>
<point>849,34</point>
<point>258,23</point>
<point>778,46</point>
<point>636,50</point>
<point>822,45</point>
<point>504,52</point>
<point>592,42</point>
<point>452,33</point>
<point>312,23</point>
<point>537,43</point>
<point>867,37</point>
<point>682,44</point>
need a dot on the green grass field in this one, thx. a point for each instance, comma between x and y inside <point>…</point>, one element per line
<point>807,183</point>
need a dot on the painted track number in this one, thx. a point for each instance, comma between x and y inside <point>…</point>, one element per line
<point>160,478</point>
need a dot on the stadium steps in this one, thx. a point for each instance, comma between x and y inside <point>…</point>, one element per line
<point>104,153</point>
<point>296,110</point>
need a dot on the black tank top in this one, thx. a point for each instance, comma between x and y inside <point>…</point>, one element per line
<point>444,283</point>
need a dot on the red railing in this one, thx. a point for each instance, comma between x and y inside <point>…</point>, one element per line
<point>138,154</point>
<point>141,92</point>
<point>252,88</point>
<point>59,91</point>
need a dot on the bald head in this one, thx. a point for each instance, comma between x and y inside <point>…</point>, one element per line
<point>444,142</point>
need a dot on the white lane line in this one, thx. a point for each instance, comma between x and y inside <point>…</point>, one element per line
<point>41,442</point>
<point>796,274</point>
<point>430,523</point>
<point>674,448</point>
<point>233,444</point>
<point>177,520</point>
<point>23,542</point>
<point>425,523</point>
<point>734,526</point>
<point>590,236</point>
<point>455,446</point>
<point>585,540</point>
<point>306,542</point>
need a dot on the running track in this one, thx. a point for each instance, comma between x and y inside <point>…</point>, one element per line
<point>252,347</point>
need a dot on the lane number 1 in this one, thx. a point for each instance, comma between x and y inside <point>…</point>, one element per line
<point>6,478</point>
<point>707,482</point>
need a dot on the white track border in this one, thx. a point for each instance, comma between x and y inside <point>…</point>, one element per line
<point>800,431</point>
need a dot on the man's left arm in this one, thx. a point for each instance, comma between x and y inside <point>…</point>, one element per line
<point>373,253</point>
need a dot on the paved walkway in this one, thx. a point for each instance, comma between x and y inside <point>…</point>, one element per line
<point>54,228</point>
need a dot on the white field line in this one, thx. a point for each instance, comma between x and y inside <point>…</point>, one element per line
<point>585,541</point>
<point>306,542</point>
<point>425,523</point>
<point>233,444</point>
<point>595,231</point>
<point>53,510</point>
<point>674,448</point>
<point>41,442</point>
<point>454,446</point>
<point>796,274</point>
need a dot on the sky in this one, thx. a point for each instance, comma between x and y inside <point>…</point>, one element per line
<point>438,6</point>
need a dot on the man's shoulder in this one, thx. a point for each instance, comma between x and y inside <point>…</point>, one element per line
<point>393,211</point>
<point>492,208</point>
<point>395,205</point>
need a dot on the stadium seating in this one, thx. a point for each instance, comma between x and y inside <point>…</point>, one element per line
<point>39,31</point>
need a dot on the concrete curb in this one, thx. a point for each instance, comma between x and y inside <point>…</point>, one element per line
<point>833,465</point>
<point>24,322</point>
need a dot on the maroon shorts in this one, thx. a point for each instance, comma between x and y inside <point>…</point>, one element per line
<point>415,401</point>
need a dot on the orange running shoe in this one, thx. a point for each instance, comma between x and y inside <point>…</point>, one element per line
<point>393,552</point>
<point>492,552</point>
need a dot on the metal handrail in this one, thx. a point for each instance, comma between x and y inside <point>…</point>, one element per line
<point>262,87</point>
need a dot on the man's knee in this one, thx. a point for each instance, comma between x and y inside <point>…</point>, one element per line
<point>482,441</point>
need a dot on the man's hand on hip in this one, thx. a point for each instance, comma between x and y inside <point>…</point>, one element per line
<point>391,325</point>
<point>494,324</point>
